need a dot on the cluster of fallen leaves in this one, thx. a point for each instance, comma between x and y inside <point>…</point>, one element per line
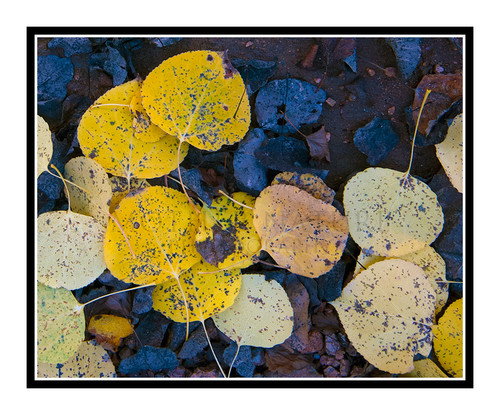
<point>193,254</point>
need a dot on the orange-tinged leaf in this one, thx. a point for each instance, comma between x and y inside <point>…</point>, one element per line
<point>387,312</point>
<point>60,324</point>
<point>207,292</point>
<point>450,153</point>
<point>308,182</point>
<point>44,145</point>
<point>261,316</point>
<point>199,98</point>
<point>391,214</point>
<point>109,330</point>
<point>160,226</point>
<point>302,233</point>
<point>448,339</point>
<point>70,249</point>
<point>90,361</point>
<point>226,237</point>
<point>106,134</point>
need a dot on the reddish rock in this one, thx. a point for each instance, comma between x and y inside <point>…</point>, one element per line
<point>331,372</point>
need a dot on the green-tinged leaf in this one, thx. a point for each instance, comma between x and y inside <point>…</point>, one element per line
<point>44,145</point>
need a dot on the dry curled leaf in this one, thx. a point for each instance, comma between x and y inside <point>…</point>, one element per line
<point>302,233</point>
<point>318,144</point>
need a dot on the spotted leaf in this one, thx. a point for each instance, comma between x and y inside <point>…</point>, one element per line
<point>302,233</point>
<point>70,249</point>
<point>44,145</point>
<point>160,227</point>
<point>448,339</point>
<point>308,182</point>
<point>106,134</point>
<point>207,292</point>
<point>390,214</point>
<point>60,324</point>
<point>450,153</point>
<point>227,237</point>
<point>261,316</point>
<point>199,98</point>
<point>387,312</point>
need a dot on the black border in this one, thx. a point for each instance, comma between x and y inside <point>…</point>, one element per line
<point>395,383</point>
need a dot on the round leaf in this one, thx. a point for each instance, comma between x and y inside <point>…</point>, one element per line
<point>160,226</point>
<point>70,249</point>
<point>425,368</point>
<point>302,233</point>
<point>448,339</point>
<point>145,130</point>
<point>199,98</point>
<point>308,182</point>
<point>90,361</point>
<point>227,237</point>
<point>429,260</point>
<point>386,312</point>
<point>60,324</point>
<point>44,145</point>
<point>261,316</point>
<point>106,134</point>
<point>391,216</point>
<point>206,294</point>
<point>89,175</point>
<point>450,153</point>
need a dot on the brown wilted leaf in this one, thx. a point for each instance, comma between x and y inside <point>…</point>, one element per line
<point>318,144</point>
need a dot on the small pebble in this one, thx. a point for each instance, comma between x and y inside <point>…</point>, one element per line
<point>248,44</point>
<point>370,71</point>
<point>317,80</point>
<point>438,69</point>
<point>331,101</point>
<point>391,110</point>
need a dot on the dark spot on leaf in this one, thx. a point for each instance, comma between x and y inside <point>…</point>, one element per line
<point>136,225</point>
<point>210,58</point>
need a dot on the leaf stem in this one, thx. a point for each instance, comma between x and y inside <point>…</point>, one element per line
<point>66,180</point>
<point>185,305</point>
<point>235,201</point>
<point>234,359</point>
<point>211,348</point>
<point>407,173</point>
<point>65,185</point>
<point>116,292</point>
<point>296,129</point>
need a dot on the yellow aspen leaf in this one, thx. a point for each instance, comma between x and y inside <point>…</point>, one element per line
<point>109,330</point>
<point>120,188</point>
<point>429,260</point>
<point>70,249</point>
<point>301,233</point>
<point>451,153</point>
<point>145,130</point>
<point>261,316</point>
<point>425,368</point>
<point>90,361</point>
<point>60,324</point>
<point>226,237</point>
<point>390,213</point>
<point>206,294</point>
<point>106,134</point>
<point>308,182</point>
<point>387,311</point>
<point>160,227</point>
<point>89,175</point>
<point>448,339</point>
<point>44,145</point>
<point>199,98</point>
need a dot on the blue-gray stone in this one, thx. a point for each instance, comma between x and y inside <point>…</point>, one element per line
<point>160,42</point>
<point>284,153</point>
<point>243,364</point>
<point>194,345</point>
<point>53,74</point>
<point>376,139</point>
<point>71,45</point>
<point>301,102</point>
<point>254,72</point>
<point>408,53</point>
<point>111,62</point>
<point>149,358</point>
<point>250,174</point>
